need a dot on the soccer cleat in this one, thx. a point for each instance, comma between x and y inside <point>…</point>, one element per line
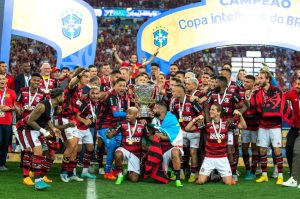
<point>192,178</point>
<point>109,176</point>
<point>31,174</point>
<point>279,180</point>
<point>101,171</point>
<point>178,183</point>
<point>3,168</point>
<point>88,175</point>
<point>249,176</point>
<point>182,176</point>
<point>41,185</point>
<point>235,177</point>
<point>47,180</point>
<point>28,181</point>
<point>262,178</point>
<point>64,177</point>
<point>275,172</point>
<point>119,180</point>
<point>290,183</point>
<point>75,178</point>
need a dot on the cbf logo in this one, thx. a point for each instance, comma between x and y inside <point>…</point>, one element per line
<point>160,36</point>
<point>71,24</point>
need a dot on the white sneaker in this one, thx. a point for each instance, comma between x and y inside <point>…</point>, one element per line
<point>75,178</point>
<point>275,172</point>
<point>235,177</point>
<point>290,183</point>
<point>3,168</point>
<point>64,177</point>
<point>101,171</point>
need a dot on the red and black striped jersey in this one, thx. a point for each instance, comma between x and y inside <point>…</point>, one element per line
<point>85,110</point>
<point>112,103</point>
<point>190,110</point>
<point>233,88</point>
<point>229,102</point>
<point>23,100</point>
<point>47,84</point>
<point>213,149</point>
<point>134,143</point>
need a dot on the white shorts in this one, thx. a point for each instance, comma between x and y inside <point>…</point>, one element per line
<point>69,133</point>
<point>85,136</point>
<point>268,136</point>
<point>167,156</point>
<point>191,139</point>
<point>133,161</point>
<point>230,140</point>
<point>249,136</point>
<point>220,164</point>
<point>29,139</point>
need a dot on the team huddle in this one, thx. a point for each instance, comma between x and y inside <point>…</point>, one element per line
<point>192,132</point>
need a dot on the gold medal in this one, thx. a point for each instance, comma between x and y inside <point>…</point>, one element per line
<point>46,91</point>
<point>130,141</point>
<point>180,120</point>
<point>219,141</point>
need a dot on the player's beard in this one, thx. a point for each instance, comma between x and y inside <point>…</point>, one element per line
<point>218,89</point>
<point>157,115</point>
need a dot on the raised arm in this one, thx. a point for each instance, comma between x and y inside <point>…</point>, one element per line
<point>151,58</point>
<point>117,57</point>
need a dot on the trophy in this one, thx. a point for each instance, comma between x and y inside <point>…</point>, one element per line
<point>145,97</point>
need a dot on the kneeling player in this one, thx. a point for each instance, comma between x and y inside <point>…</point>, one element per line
<point>131,149</point>
<point>216,145</point>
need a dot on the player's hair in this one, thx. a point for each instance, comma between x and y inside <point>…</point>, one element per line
<point>42,66</point>
<point>114,72</point>
<point>36,75</point>
<point>267,74</point>
<point>219,108</point>
<point>193,80</point>
<point>174,65</point>
<point>213,76</point>
<point>92,66</point>
<point>65,68</point>
<point>132,108</point>
<point>144,74</point>
<point>163,105</point>
<point>298,78</point>
<point>226,70</point>
<point>154,64</point>
<point>210,68</point>
<point>222,79</point>
<point>56,92</point>
<point>190,73</point>
<point>94,79</point>
<point>206,74</point>
<point>178,81</point>
<point>180,72</point>
<point>250,77</point>
<point>2,62</point>
<point>120,80</point>
<point>180,86</point>
<point>227,63</point>
<point>94,88</point>
<point>124,68</point>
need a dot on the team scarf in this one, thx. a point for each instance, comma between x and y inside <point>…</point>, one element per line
<point>171,128</point>
<point>273,106</point>
<point>154,166</point>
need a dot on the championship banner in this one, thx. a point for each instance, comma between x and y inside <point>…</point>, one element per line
<point>212,23</point>
<point>69,26</point>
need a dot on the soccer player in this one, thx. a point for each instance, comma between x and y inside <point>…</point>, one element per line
<point>170,138</point>
<point>266,100</point>
<point>28,98</point>
<point>216,144</point>
<point>131,149</point>
<point>249,135</point>
<point>185,111</point>
<point>133,61</point>
<point>86,116</point>
<point>112,112</point>
<point>39,123</point>
<point>229,102</point>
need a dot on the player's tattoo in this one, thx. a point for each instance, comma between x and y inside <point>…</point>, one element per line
<point>36,113</point>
